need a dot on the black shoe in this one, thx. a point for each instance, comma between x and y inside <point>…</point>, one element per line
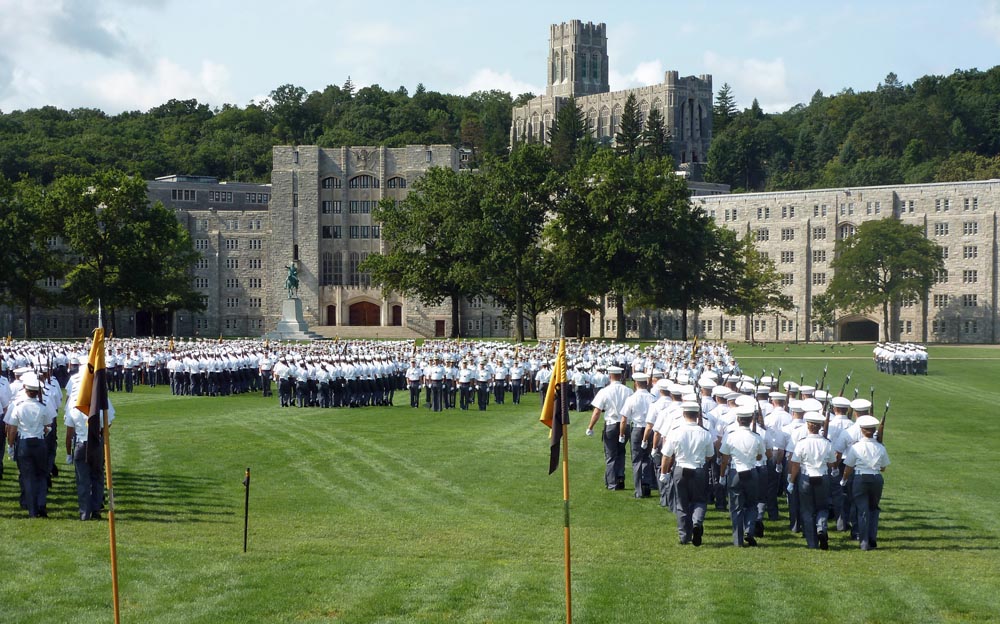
<point>824,541</point>
<point>872,544</point>
<point>749,540</point>
<point>758,529</point>
<point>865,546</point>
<point>697,532</point>
<point>95,515</point>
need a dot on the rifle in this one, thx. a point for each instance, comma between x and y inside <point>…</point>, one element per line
<point>881,423</point>
<point>777,381</point>
<point>846,381</point>
<point>873,395</point>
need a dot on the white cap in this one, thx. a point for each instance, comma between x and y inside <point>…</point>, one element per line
<point>867,422</point>
<point>811,405</point>
<point>640,376</point>
<point>615,370</point>
<point>814,417</point>
<point>861,405</point>
<point>745,411</point>
<point>30,381</point>
<point>795,405</point>
<point>840,401</point>
<point>690,406</point>
<point>822,395</point>
<point>777,396</point>
<point>791,386</point>
<point>807,389</point>
<point>664,385</point>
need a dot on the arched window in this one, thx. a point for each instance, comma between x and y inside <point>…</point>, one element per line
<point>396,182</point>
<point>592,122</point>
<point>846,230</point>
<point>331,183</point>
<point>616,118</point>
<point>364,181</point>
<point>338,270</point>
<point>596,66</point>
<point>604,123</point>
<point>643,113</point>
<point>584,65</point>
<point>326,272</point>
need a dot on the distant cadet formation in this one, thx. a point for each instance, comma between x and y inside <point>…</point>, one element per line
<point>897,358</point>
<point>700,433</point>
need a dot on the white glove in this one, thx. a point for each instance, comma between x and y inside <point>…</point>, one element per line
<point>843,483</point>
<point>590,432</point>
<point>777,468</point>
<point>621,439</point>
<point>10,452</point>
<point>645,444</point>
<point>790,488</point>
<point>835,472</point>
<point>663,477</point>
<point>723,480</point>
<point>69,459</point>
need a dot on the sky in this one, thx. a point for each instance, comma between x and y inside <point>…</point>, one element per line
<point>123,55</point>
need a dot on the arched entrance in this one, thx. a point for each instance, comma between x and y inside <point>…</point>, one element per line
<point>331,315</point>
<point>576,323</point>
<point>397,315</point>
<point>365,314</point>
<point>858,330</point>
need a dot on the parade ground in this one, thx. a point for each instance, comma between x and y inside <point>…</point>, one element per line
<point>396,514</point>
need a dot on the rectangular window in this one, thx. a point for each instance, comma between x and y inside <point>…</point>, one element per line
<point>255,263</point>
<point>232,302</point>
<point>201,243</point>
<point>255,302</point>
<point>762,235</point>
<point>941,277</point>
<point>256,243</point>
<point>819,255</point>
<point>327,207</point>
<point>970,252</point>
<point>201,282</point>
<point>225,197</point>
<point>940,229</point>
<point>338,231</point>
<point>970,276</point>
<point>232,243</point>
<point>972,327</point>
<point>965,205</point>
<point>354,206</point>
<point>232,282</point>
<point>819,279</point>
<point>941,301</point>
<point>937,205</point>
<point>878,207</point>
<point>327,231</point>
<point>365,231</point>
<point>910,205</point>
<point>254,282</point>
<point>816,210</point>
<point>787,234</point>
<point>970,301</point>
<point>787,279</point>
<point>354,231</point>
<point>946,204</point>
<point>944,253</point>
<point>819,233</point>
<point>295,200</point>
<point>969,228</point>
<point>376,231</point>
<point>202,263</point>
<point>787,257</point>
<point>975,203</point>
<point>232,263</point>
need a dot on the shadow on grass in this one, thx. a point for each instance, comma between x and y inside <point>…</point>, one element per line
<point>139,497</point>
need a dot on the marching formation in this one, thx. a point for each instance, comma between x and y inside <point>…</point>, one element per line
<point>897,358</point>
<point>701,433</point>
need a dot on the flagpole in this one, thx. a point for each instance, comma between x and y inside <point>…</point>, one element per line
<point>565,472</point>
<point>111,515</point>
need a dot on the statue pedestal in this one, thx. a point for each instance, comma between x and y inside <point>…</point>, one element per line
<point>292,325</point>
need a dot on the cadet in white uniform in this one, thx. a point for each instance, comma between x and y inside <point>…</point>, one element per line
<point>611,402</point>
<point>741,450</point>
<point>685,451</point>
<point>865,462</point>
<point>28,421</point>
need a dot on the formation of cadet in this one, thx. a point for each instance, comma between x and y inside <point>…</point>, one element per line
<point>900,358</point>
<point>702,433</point>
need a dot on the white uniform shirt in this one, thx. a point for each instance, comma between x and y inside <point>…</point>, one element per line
<point>744,447</point>
<point>813,453</point>
<point>30,418</point>
<point>689,445</point>
<point>637,407</point>
<point>611,401</point>
<point>867,457</point>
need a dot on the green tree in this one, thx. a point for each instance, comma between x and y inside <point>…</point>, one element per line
<point>514,204</point>
<point>568,135</point>
<point>628,139</point>
<point>724,109</point>
<point>824,310</point>
<point>433,240</point>
<point>656,143</point>
<point>882,263</point>
<point>758,288</point>
<point>127,252</point>
<point>30,254</point>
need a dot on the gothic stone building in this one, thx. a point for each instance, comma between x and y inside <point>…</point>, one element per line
<point>578,67</point>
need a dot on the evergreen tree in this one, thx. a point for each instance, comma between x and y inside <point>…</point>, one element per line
<point>348,87</point>
<point>568,131</point>
<point>629,136</point>
<point>655,137</point>
<point>724,110</point>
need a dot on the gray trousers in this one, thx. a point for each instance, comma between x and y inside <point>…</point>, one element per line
<point>642,464</point>
<point>814,506</point>
<point>867,492</point>
<point>614,457</point>
<point>690,499</point>
<point>89,480</point>
<point>744,494</point>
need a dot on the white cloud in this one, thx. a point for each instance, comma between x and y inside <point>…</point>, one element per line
<point>645,73</point>
<point>990,22</point>
<point>131,90</point>
<point>486,79</point>
<point>765,80</point>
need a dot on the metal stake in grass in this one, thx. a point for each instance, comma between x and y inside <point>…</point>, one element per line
<point>246,508</point>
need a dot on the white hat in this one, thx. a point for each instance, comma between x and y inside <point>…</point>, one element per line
<point>795,405</point>
<point>814,417</point>
<point>867,422</point>
<point>746,400</point>
<point>807,389</point>
<point>615,370</point>
<point>640,376</point>
<point>22,371</point>
<point>822,395</point>
<point>664,385</point>
<point>30,381</point>
<point>777,396</point>
<point>719,391</point>
<point>704,382</point>
<point>840,401</point>
<point>811,405</point>
<point>791,386</point>
<point>860,405</point>
<point>745,411</point>
<point>690,406</point>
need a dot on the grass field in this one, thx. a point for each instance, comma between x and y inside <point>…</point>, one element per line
<point>402,515</point>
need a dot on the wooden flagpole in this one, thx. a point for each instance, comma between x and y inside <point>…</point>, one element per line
<point>564,412</point>
<point>111,515</point>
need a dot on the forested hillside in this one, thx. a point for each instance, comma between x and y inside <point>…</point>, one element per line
<point>234,143</point>
<point>940,128</point>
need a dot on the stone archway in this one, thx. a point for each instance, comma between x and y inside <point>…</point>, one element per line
<point>858,329</point>
<point>365,314</point>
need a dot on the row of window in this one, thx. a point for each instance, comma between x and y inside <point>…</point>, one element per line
<point>332,269</point>
<point>363,182</point>
<point>232,225</point>
<point>225,197</point>
<point>354,231</point>
<point>969,228</point>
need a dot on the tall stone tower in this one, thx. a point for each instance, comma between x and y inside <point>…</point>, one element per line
<point>578,59</point>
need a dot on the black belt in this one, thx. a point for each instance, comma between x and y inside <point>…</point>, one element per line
<point>744,474</point>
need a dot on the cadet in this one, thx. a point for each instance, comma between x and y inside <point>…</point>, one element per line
<point>27,423</point>
<point>685,451</point>
<point>636,412</point>
<point>808,475</point>
<point>611,402</point>
<point>741,450</point>
<point>865,461</point>
<point>414,379</point>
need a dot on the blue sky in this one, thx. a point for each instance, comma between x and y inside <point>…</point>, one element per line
<point>134,54</point>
